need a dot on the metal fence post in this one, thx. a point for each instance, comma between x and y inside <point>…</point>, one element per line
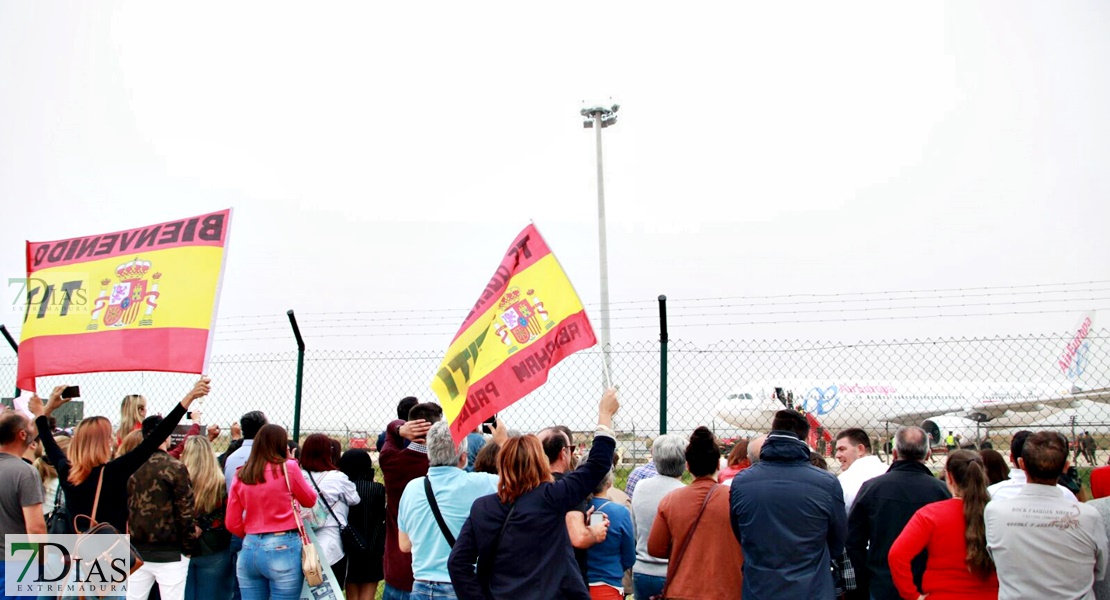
<point>300,377</point>
<point>663,339</point>
<point>15,348</point>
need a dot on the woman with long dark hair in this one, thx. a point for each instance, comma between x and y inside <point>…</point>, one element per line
<point>336,493</point>
<point>364,567</point>
<point>519,536</point>
<point>260,510</point>
<point>954,533</point>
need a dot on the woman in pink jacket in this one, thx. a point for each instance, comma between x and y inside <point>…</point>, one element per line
<point>260,510</point>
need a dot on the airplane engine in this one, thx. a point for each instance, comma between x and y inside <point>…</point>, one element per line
<point>938,427</point>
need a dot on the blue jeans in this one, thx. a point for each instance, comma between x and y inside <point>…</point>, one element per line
<point>391,593</point>
<point>432,590</point>
<point>236,546</point>
<point>210,577</point>
<point>646,586</point>
<point>269,566</point>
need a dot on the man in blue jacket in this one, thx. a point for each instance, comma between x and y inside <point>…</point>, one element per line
<point>788,516</point>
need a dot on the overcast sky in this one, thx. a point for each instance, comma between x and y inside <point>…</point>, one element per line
<point>381,158</point>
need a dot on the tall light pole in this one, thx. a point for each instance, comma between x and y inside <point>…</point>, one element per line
<point>598,118</point>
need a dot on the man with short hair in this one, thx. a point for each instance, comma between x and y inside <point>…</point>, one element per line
<point>1044,545</point>
<point>559,449</point>
<point>1009,488</point>
<point>249,424</point>
<point>400,464</point>
<point>668,453</point>
<point>857,464</point>
<point>754,447</point>
<point>21,492</point>
<point>161,522</point>
<point>883,507</point>
<point>788,516</point>
<point>420,532</point>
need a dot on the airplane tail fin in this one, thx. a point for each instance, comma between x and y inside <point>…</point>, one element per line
<point>1074,358</point>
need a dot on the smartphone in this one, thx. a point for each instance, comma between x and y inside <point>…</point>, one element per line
<point>487,423</point>
<point>597,518</point>
<point>72,391</point>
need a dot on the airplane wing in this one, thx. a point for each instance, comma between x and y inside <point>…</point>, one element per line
<point>988,410</point>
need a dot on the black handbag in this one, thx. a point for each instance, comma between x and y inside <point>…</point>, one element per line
<point>352,539</point>
<point>59,522</point>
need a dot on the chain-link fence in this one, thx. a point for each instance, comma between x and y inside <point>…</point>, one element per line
<point>974,388</point>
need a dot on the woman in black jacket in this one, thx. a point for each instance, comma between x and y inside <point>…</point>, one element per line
<point>90,455</point>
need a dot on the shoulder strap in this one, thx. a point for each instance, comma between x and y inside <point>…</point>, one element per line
<point>438,515</point>
<point>58,496</point>
<point>96,499</point>
<point>296,509</point>
<point>689,535</point>
<point>324,500</point>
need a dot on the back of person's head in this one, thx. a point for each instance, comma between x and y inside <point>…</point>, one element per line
<point>90,448</point>
<point>404,406</point>
<point>997,469</point>
<point>605,483</point>
<point>1044,456</point>
<point>251,423</point>
<point>357,464</point>
<point>294,450</point>
<point>442,451</point>
<point>521,467</point>
<point>818,461</point>
<point>703,455</point>
<point>554,442</point>
<point>791,421</point>
<point>269,450</point>
<point>336,451</point>
<point>486,460</point>
<point>129,442</point>
<point>739,453</point>
<point>429,411</point>
<point>209,487</point>
<point>46,468</point>
<point>968,473</point>
<point>911,443</point>
<point>316,454</point>
<point>150,424</point>
<point>669,453</point>
<point>1017,444</point>
<point>754,448</point>
<point>856,437</point>
<point>11,423</point>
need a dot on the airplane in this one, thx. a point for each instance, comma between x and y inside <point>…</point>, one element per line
<point>964,408</point>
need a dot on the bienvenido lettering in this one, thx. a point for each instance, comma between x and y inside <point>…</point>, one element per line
<point>207,229</point>
<point>539,359</point>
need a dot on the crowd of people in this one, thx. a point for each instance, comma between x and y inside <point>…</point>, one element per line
<point>505,515</point>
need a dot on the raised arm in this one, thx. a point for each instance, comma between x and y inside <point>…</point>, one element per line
<point>572,489</point>
<point>46,434</point>
<point>130,462</point>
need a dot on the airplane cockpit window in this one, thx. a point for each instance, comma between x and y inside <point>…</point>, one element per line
<point>734,397</point>
<point>747,396</point>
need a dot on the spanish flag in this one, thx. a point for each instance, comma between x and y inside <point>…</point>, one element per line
<point>526,321</point>
<point>137,300</point>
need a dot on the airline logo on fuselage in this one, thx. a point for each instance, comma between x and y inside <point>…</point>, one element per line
<point>822,401</point>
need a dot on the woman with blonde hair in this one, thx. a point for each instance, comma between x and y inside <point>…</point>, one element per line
<point>210,568</point>
<point>519,536</point>
<point>132,411</point>
<point>90,469</point>
<point>955,534</point>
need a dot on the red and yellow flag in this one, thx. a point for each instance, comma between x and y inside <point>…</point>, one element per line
<point>137,300</point>
<point>527,320</point>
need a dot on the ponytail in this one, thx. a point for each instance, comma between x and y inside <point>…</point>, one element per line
<point>970,476</point>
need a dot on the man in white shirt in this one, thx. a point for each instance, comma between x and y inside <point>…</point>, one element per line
<point>1043,545</point>
<point>857,464</point>
<point>1009,488</point>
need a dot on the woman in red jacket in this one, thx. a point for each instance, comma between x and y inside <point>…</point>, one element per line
<point>953,531</point>
<point>260,510</point>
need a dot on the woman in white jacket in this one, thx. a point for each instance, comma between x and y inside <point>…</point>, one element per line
<point>319,458</point>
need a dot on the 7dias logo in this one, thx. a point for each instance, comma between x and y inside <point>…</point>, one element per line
<point>66,565</point>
